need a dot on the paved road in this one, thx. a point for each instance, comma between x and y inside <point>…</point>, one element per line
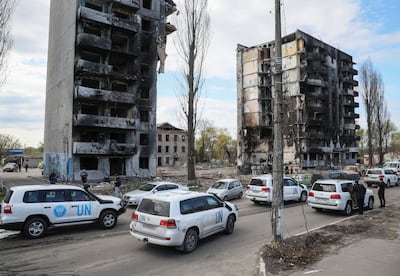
<point>91,251</point>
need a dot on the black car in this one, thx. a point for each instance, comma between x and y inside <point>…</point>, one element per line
<point>330,175</point>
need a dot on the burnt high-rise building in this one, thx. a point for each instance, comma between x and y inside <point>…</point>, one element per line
<point>101,93</point>
<point>319,105</point>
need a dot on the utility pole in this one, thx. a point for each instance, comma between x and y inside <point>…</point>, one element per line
<point>277,164</point>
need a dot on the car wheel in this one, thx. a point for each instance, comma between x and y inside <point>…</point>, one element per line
<point>388,184</point>
<point>230,225</point>
<point>108,219</point>
<point>370,203</point>
<point>303,197</point>
<point>348,209</point>
<point>240,195</point>
<point>225,198</point>
<point>256,202</point>
<point>35,228</point>
<point>190,241</point>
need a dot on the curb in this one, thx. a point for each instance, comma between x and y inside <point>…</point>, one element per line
<point>263,267</point>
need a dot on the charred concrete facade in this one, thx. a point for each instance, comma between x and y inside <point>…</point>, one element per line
<point>171,146</point>
<point>320,101</point>
<point>101,86</point>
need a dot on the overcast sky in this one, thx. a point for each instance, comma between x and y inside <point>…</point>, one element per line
<point>367,28</point>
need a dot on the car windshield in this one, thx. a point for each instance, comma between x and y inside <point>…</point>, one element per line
<point>257,182</point>
<point>154,207</point>
<point>219,185</point>
<point>374,172</point>
<point>390,165</point>
<point>349,168</point>
<point>324,187</point>
<point>147,187</point>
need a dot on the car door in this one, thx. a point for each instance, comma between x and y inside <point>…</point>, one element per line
<point>83,206</point>
<point>231,190</point>
<point>290,189</point>
<point>215,214</point>
<point>56,206</point>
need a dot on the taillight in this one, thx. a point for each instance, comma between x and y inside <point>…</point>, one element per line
<point>381,177</point>
<point>7,209</point>
<point>335,196</point>
<point>135,216</point>
<point>366,175</point>
<point>169,223</point>
<point>247,187</point>
<point>265,189</point>
<point>311,194</point>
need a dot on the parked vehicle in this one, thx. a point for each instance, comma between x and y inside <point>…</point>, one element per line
<point>10,167</point>
<point>227,189</point>
<point>393,165</point>
<point>134,197</point>
<point>350,169</point>
<point>260,189</point>
<point>328,175</point>
<point>303,178</point>
<point>376,175</point>
<point>33,209</point>
<point>334,194</point>
<point>180,218</point>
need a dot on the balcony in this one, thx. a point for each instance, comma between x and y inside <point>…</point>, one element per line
<point>93,41</point>
<point>104,121</point>
<point>107,19</point>
<point>93,94</point>
<point>170,7</point>
<point>133,5</point>
<point>169,28</point>
<point>103,148</point>
<point>84,66</point>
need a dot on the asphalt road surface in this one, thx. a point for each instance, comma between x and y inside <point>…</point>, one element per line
<point>92,251</point>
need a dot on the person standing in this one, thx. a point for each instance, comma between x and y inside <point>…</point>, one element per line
<point>84,176</point>
<point>381,193</point>
<point>26,166</point>
<point>53,177</point>
<point>359,192</point>
<point>116,186</point>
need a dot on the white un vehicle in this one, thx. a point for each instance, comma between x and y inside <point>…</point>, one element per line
<point>181,218</point>
<point>33,209</point>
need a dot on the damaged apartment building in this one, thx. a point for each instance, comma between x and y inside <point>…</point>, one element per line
<point>319,105</point>
<point>101,92</point>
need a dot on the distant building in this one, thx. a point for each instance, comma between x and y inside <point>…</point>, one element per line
<point>171,146</point>
<point>320,101</point>
<point>101,89</point>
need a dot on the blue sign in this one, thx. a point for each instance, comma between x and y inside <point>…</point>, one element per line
<point>59,211</point>
<point>15,152</point>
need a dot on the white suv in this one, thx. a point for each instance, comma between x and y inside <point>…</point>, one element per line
<point>375,175</point>
<point>260,189</point>
<point>334,194</point>
<point>181,218</point>
<point>33,209</point>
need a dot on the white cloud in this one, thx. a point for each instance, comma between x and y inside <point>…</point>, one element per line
<point>355,26</point>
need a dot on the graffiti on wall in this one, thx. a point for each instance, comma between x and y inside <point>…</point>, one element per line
<point>61,163</point>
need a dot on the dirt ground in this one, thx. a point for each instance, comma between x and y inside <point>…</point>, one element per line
<point>299,252</point>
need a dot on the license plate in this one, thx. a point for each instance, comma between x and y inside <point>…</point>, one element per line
<point>321,199</point>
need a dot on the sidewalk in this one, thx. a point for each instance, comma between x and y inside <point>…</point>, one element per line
<point>368,257</point>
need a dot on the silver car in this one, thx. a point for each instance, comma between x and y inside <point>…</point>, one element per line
<point>133,198</point>
<point>227,189</point>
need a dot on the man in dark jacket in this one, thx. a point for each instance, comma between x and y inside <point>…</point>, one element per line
<point>359,192</point>
<point>381,193</point>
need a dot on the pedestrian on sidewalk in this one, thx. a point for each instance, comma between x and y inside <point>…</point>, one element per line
<point>359,191</point>
<point>26,167</point>
<point>84,176</point>
<point>116,186</point>
<point>53,177</point>
<point>381,193</point>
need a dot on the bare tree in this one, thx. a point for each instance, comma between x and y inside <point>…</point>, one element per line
<point>369,87</point>
<point>192,42</point>
<point>6,10</point>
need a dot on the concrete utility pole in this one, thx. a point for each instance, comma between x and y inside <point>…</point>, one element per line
<point>277,164</point>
